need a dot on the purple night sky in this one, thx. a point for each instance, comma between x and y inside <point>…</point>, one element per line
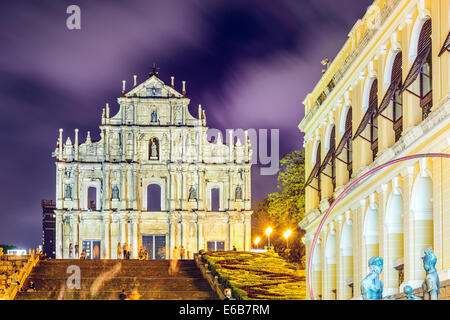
<point>249,63</point>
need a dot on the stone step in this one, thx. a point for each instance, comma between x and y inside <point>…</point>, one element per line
<point>151,278</point>
<point>122,273</point>
<point>155,283</point>
<point>114,295</point>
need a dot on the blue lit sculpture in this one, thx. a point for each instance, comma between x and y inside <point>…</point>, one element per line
<point>430,286</point>
<point>371,285</point>
<point>409,296</point>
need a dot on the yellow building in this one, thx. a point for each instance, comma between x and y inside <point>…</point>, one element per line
<point>385,96</point>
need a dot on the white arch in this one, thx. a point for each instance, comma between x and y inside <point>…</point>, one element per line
<point>346,240</point>
<point>388,67</point>
<point>85,197</point>
<point>370,233</point>
<point>394,214</point>
<point>415,34</point>
<point>422,198</point>
<point>343,118</point>
<point>330,249</point>
<point>316,263</point>
<point>366,93</point>
<point>328,137</point>
<point>314,153</point>
<point>161,182</point>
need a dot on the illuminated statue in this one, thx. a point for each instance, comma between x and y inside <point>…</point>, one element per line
<point>153,152</point>
<point>430,286</point>
<point>68,194</point>
<point>409,296</point>
<point>115,192</point>
<point>192,193</point>
<point>371,285</point>
<point>238,192</point>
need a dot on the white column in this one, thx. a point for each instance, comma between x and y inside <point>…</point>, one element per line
<point>123,224</point>
<point>135,237</point>
<point>74,235</point>
<point>106,254</point>
<point>58,236</point>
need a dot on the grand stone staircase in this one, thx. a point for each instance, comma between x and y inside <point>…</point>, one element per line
<point>105,279</point>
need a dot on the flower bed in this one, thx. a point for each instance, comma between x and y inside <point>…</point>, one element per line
<point>256,275</point>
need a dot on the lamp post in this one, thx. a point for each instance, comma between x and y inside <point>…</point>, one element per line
<point>286,235</point>
<point>268,232</point>
<point>257,240</point>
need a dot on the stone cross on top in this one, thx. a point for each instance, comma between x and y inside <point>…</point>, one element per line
<point>155,69</point>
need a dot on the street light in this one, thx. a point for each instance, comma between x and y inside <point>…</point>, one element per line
<point>257,240</point>
<point>303,240</point>
<point>268,232</point>
<point>286,235</point>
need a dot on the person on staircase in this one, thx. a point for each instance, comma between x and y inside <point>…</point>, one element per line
<point>119,251</point>
<point>182,253</point>
<point>125,251</point>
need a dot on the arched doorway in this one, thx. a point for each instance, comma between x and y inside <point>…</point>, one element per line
<point>346,249</point>
<point>422,223</point>
<point>370,234</point>
<point>330,267</point>
<point>394,242</point>
<point>317,271</point>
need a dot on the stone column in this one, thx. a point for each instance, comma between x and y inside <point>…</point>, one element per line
<point>59,187</point>
<point>183,237</point>
<point>59,236</point>
<point>200,238</point>
<point>248,191</point>
<point>247,231</point>
<point>106,254</point>
<point>340,280</point>
<point>76,189</point>
<point>135,234</point>
<point>231,221</point>
<point>130,187</point>
<point>75,235</point>
<point>123,227</point>
<point>173,221</point>
<point>114,235</point>
<point>106,188</point>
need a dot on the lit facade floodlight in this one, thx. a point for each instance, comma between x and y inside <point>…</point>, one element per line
<point>286,235</point>
<point>303,240</point>
<point>268,232</point>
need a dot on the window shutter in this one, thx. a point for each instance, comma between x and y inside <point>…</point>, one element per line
<point>397,68</point>
<point>424,37</point>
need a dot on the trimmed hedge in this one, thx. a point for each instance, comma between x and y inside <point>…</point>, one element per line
<point>256,275</point>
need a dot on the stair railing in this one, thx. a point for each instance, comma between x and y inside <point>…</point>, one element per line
<point>10,293</point>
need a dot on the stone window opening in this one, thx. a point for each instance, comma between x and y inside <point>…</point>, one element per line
<point>418,82</point>
<point>215,201</point>
<point>92,199</point>
<point>328,167</point>
<point>346,143</point>
<point>153,197</point>
<point>370,118</point>
<point>315,172</point>
<point>394,96</point>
